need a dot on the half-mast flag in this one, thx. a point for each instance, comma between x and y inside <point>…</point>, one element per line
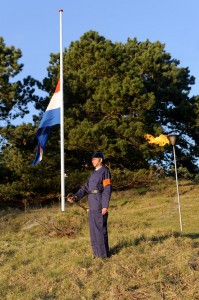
<point>51,117</point>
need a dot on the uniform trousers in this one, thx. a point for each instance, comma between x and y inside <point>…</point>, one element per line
<point>98,233</point>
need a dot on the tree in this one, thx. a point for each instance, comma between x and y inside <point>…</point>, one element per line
<point>115,93</point>
<point>20,179</point>
<point>14,96</point>
<point>17,177</point>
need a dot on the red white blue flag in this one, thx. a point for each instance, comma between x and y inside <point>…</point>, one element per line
<point>51,117</point>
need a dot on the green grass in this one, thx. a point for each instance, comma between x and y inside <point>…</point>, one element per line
<point>46,254</point>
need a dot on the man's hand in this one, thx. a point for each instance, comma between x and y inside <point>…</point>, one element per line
<point>104,211</point>
<point>70,199</point>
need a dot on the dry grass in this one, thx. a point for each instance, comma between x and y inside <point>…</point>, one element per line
<point>46,254</point>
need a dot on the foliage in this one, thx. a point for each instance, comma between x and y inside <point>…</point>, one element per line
<point>182,172</point>
<point>115,93</point>
<point>21,180</point>
<point>76,179</point>
<point>14,96</point>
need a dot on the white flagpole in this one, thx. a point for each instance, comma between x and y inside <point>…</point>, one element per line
<point>62,119</point>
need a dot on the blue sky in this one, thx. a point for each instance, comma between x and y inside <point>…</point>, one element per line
<point>33,26</point>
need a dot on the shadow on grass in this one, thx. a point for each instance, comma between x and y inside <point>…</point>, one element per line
<point>156,239</point>
<point>192,236</point>
<point>189,184</point>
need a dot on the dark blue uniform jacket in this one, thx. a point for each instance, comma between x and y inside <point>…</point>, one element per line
<point>98,180</point>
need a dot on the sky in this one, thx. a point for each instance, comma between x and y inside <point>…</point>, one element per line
<point>33,27</point>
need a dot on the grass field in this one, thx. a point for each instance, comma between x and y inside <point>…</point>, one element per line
<point>46,254</point>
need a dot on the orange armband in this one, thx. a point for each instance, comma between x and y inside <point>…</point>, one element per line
<point>106,182</point>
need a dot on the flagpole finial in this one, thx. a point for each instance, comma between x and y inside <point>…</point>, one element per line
<point>60,10</point>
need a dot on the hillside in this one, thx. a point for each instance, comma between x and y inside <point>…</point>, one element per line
<point>46,254</point>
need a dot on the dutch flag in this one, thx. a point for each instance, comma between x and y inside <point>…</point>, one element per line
<point>51,117</point>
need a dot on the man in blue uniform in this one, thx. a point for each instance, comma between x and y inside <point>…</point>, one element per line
<point>98,188</point>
